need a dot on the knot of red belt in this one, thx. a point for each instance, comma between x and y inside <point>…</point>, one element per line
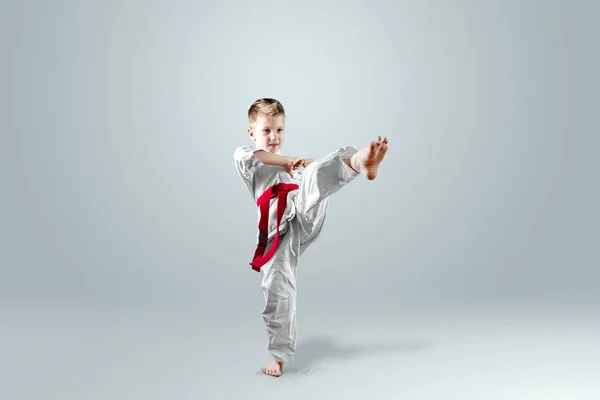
<point>264,202</point>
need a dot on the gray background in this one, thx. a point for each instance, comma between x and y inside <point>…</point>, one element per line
<point>120,198</point>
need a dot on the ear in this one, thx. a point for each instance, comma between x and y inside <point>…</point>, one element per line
<point>251,134</point>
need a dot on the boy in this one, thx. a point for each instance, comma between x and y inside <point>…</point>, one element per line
<point>291,208</point>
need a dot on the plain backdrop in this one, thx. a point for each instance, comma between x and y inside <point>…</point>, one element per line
<point>119,120</point>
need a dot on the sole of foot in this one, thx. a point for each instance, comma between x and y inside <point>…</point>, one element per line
<point>374,157</point>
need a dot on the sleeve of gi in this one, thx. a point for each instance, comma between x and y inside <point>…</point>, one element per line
<point>246,164</point>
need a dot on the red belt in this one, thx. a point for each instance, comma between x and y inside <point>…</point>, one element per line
<point>264,202</point>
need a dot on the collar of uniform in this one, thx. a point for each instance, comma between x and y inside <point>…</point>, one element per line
<point>268,151</point>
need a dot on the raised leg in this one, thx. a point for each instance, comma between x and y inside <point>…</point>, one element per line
<point>323,178</point>
<point>326,176</point>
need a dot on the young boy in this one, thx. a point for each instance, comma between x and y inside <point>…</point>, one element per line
<point>291,209</point>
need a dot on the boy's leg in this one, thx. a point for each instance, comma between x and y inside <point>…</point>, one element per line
<point>323,178</point>
<point>326,176</point>
<point>320,180</point>
<point>279,288</point>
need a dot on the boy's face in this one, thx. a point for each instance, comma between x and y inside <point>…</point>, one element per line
<point>267,132</point>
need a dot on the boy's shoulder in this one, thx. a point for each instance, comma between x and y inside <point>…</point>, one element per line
<point>242,151</point>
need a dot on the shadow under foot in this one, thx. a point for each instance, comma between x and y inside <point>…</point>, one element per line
<point>311,351</point>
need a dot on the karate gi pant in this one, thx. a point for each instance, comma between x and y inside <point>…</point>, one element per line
<point>319,180</point>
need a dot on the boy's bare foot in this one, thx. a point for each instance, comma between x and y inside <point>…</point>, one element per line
<point>273,368</point>
<point>367,160</point>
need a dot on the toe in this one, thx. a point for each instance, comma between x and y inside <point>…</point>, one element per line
<point>372,150</point>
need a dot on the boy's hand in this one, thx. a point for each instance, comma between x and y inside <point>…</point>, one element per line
<point>293,164</point>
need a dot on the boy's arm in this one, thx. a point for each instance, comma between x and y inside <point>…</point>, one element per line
<point>288,163</point>
<point>273,159</point>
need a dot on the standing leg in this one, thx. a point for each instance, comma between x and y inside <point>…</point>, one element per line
<point>279,288</point>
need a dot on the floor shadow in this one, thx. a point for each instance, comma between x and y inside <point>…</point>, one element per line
<point>311,351</point>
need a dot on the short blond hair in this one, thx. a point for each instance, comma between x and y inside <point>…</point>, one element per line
<point>265,106</point>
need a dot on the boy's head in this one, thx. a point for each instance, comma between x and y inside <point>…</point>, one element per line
<point>267,124</point>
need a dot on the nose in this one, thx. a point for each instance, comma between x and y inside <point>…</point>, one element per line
<point>272,135</point>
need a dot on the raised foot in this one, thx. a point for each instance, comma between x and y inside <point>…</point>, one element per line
<point>374,154</point>
<point>273,368</point>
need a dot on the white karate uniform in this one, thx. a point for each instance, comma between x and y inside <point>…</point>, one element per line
<point>301,224</point>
